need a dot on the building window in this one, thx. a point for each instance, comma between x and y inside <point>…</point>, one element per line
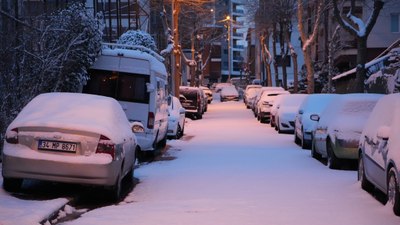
<point>394,23</point>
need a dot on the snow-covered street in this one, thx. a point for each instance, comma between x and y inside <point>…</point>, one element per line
<point>229,169</point>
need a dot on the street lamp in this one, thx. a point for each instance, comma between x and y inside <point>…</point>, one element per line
<point>228,18</point>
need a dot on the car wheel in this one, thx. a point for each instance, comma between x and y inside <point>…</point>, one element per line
<point>278,126</point>
<point>393,191</point>
<point>178,132</point>
<point>314,153</point>
<point>365,184</point>
<point>12,184</point>
<point>115,194</point>
<point>296,138</point>
<point>332,161</point>
<point>304,143</point>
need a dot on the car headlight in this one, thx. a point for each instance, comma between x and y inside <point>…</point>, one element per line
<point>137,127</point>
<point>321,130</point>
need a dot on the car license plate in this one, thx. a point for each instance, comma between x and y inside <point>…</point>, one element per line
<point>57,146</point>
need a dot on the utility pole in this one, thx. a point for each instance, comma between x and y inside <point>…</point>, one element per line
<point>176,59</point>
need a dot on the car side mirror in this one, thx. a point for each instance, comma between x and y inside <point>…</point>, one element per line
<point>383,133</point>
<point>182,111</point>
<point>301,111</point>
<point>150,87</point>
<point>314,117</point>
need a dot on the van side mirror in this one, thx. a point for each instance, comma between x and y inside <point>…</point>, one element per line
<point>383,133</point>
<point>314,117</point>
<point>150,87</point>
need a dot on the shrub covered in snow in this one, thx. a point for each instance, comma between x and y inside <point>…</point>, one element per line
<point>138,37</point>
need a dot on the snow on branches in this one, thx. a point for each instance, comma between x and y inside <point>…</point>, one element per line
<point>138,37</point>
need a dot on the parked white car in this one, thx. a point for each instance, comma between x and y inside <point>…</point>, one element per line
<point>258,97</point>
<point>314,104</point>
<point>286,112</point>
<point>176,118</point>
<point>250,93</point>
<point>339,128</point>
<point>274,110</point>
<point>229,93</point>
<point>72,138</point>
<point>379,152</point>
<point>137,78</point>
<point>265,103</point>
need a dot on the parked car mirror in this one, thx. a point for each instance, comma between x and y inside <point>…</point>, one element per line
<point>314,117</point>
<point>383,133</point>
<point>301,111</point>
<point>182,111</point>
<point>150,87</point>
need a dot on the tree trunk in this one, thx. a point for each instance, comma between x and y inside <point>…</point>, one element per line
<point>310,70</point>
<point>361,61</point>
<point>274,56</point>
<point>295,73</point>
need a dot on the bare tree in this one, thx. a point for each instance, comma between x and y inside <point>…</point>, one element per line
<point>360,30</point>
<point>308,40</point>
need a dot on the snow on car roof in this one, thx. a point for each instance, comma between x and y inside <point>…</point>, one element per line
<point>316,103</point>
<point>156,65</point>
<point>76,111</point>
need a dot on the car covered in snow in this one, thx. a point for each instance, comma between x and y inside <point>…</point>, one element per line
<point>304,126</point>
<point>379,153</point>
<point>71,138</point>
<point>258,96</point>
<point>265,103</point>
<point>176,118</point>
<point>286,112</point>
<point>229,93</point>
<point>192,101</point>
<point>208,93</point>
<point>250,93</point>
<point>339,128</point>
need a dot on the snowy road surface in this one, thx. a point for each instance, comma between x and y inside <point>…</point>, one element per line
<point>231,170</point>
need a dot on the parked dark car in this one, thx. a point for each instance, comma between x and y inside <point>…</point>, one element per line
<point>193,102</point>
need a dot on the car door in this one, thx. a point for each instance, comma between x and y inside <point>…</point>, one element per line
<point>375,148</point>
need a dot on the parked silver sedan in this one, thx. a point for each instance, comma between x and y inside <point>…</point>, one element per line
<point>71,138</point>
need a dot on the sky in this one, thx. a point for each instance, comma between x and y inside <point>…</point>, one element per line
<point>229,169</point>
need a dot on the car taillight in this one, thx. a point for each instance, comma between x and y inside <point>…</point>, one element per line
<point>12,136</point>
<point>106,146</point>
<point>150,120</point>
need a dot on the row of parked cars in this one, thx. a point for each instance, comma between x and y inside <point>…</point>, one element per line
<point>339,129</point>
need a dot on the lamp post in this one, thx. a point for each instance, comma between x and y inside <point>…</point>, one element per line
<point>228,18</point>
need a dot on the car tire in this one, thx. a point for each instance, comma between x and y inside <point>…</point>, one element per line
<point>304,143</point>
<point>115,192</point>
<point>296,138</point>
<point>365,184</point>
<point>332,161</point>
<point>12,184</point>
<point>199,116</point>
<point>178,132</point>
<point>314,153</point>
<point>393,193</point>
<point>278,127</point>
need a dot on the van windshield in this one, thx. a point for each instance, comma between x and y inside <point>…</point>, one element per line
<point>119,85</point>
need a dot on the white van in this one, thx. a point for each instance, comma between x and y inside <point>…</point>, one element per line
<point>137,78</point>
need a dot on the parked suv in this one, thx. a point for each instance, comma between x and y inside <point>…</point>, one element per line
<point>379,153</point>
<point>194,101</point>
